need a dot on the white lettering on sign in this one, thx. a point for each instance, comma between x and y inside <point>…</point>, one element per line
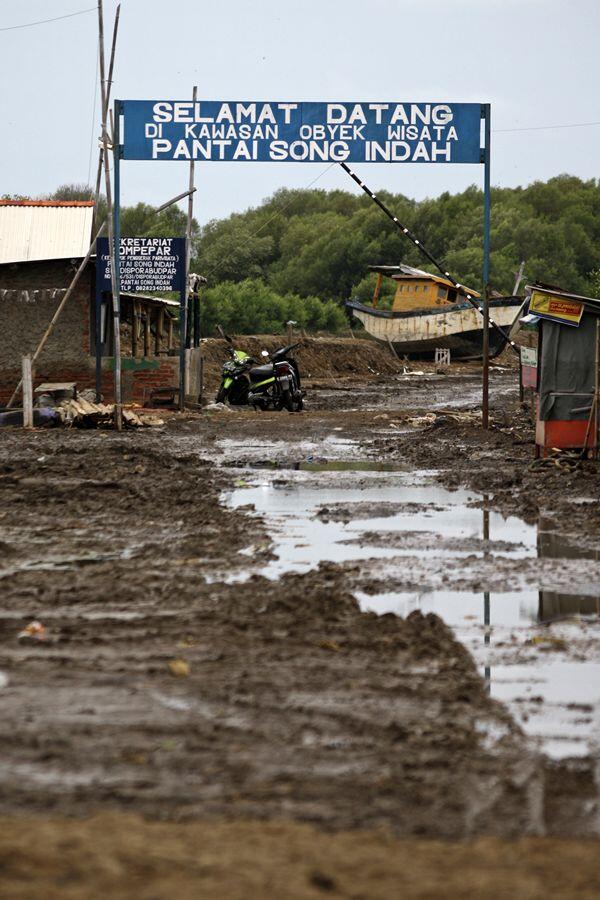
<point>146,264</point>
<point>297,132</point>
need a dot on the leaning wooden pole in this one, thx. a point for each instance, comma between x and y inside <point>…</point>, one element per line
<point>111,242</point>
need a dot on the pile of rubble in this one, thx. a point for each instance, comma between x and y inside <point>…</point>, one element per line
<point>82,413</point>
<point>67,407</point>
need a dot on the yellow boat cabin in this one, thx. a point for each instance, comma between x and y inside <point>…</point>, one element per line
<point>417,289</point>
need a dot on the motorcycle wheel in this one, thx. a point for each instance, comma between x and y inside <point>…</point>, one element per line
<point>221,395</point>
<point>287,401</point>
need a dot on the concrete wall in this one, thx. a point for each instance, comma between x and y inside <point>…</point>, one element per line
<point>25,312</point>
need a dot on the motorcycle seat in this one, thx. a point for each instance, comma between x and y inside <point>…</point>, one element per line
<point>261,373</point>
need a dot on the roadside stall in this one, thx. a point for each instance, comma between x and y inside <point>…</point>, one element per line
<point>568,361</point>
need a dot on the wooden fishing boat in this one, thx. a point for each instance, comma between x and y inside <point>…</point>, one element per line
<point>429,312</point>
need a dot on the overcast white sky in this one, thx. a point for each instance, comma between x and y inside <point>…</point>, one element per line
<point>535,61</point>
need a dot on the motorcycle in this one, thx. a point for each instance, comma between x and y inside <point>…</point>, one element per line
<point>235,384</point>
<point>273,385</point>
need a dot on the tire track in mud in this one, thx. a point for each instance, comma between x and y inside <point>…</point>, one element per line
<point>295,703</point>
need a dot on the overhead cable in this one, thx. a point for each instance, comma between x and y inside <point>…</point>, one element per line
<point>45,21</point>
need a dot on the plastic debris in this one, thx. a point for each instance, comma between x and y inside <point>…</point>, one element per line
<point>330,645</point>
<point>179,668</point>
<point>35,631</point>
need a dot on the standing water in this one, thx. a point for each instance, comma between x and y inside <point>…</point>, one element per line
<point>536,648</point>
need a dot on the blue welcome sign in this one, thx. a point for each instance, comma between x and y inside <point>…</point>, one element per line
<point>245,131</point>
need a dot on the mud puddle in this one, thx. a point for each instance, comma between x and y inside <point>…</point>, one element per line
<point>537,648</point>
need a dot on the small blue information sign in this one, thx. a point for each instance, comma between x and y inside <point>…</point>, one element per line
<point>246,131</point>
<point>146,264</point>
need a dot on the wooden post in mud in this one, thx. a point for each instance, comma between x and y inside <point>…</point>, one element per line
<point>134,328</point>
<point>27,392</point>
<point>159,330</point>
<point>147,331</point>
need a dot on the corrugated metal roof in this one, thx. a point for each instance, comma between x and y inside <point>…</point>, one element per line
<point>33,230</point>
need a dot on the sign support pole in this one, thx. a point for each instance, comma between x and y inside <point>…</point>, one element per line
<point>98,317</point>
<point>485,409</point>
<point>182,338</point>
<point>116,252</point>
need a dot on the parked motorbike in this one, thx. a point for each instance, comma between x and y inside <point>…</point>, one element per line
<point>273,385</point>
<point>276,384</point>
<point>235,384</point>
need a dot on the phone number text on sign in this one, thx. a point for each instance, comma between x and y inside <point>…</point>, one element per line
<point>146,264</point>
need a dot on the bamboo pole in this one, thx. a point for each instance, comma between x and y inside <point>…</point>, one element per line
<point>109,88</point>
<point>111,243</point>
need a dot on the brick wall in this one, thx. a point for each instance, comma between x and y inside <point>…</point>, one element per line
<point>25,313</point>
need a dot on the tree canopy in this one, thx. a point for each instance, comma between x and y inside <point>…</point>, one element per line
<point>300,253</point>
<point>318,243</point>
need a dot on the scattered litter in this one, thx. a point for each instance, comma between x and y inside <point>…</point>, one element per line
<point>217,407</point>
<point>330,645</point>
<point>179,668</point>
<point>547,642</point>
<point>82,413</point>
<point>422,421</point>
<point>35,631</point>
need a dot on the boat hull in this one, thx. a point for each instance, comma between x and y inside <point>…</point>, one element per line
<point>458,328</point>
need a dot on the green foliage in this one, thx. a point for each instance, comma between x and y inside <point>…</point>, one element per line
<point>315,243</point>
<point>302,252</point>
<point>143,221</point>
<point>251,307</point>
<point>595,283</point>
<point>72,192</point>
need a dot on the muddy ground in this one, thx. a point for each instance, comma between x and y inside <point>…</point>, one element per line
<point>175,682</point>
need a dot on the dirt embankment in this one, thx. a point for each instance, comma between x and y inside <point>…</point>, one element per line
<point>318,357</point>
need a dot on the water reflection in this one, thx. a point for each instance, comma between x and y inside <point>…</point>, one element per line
<point>544,678</point>
<point>486,594</point>
<point>554,605</point>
